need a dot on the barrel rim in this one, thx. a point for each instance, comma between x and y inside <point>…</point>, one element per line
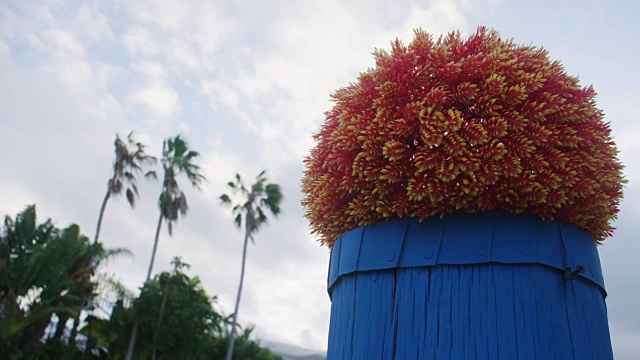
<point>465,239</point>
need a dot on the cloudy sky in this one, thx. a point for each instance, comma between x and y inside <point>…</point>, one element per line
<point>247,82</point>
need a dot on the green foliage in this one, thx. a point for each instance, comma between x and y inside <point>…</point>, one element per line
<point>245,348</point>
<point>252,209</point>
<point>255,200</point>
<point>44,271</point>
<point>130,159</point>
<point>177,317</point>
<point>177,159</point>
<point>111,333</point>
<point>48,277</point>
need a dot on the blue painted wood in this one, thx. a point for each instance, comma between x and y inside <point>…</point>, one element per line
<point>466,239</point>
<point>496,304</point>
<point>514,241</point>
<point>342,320</point>
<point>334,262</point>
<point>350,250</point>
<point>380,248</point>
<point>428,243</point>
<point>379,344</point>
<point>422,242</point>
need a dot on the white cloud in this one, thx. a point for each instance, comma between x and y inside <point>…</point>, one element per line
<point>92,23</point>
<point>169,14</point>
<point>153,70</point>
<point>156,95</point>
<point>160,99</point>
<point>184,56</point>
<point>4,50</point>
<point>63,43</point>
<point>139,41</point>
<point>217,91</point>
<point>9,23</point>
<point>77,74</point>
<point>441,17</point>
<point>208,29</point>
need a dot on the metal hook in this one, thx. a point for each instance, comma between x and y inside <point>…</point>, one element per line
<point>571,275</point>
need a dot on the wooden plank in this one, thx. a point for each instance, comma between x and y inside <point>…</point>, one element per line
<point>342,311</point>
<point>374,321</point>
<point>386,309</point>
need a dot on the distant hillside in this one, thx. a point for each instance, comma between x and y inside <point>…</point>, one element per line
<point>289,352</point>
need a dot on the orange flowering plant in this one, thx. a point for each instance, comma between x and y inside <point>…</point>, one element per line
<point>462,124</point>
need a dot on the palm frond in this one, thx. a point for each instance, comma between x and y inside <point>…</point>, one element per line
<point>176,160</point>
<point>251,208</point>
<point>129,162</point>
<point>191,154</point>
<point>131,197</point>
<point>257,188</point>
<point>115,252</point>
<point>273,198</point>
<point>262,217</point>
<point>182,203</point>
<point>151,174</point>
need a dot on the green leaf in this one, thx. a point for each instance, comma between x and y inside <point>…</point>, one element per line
<point>262,218</point>
<point>151,175</point>
<point>191,154</point>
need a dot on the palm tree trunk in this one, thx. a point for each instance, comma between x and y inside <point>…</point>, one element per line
<point>232,337</point>
<point>74,329</point>
<point>62,324</point>
<point>136,323</point>
<point>160,315</point>
<point>101,215</point>
<point>155,247</point>
<point>133,339</point>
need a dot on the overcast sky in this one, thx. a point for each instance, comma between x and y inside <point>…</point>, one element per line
<point>247,82</point>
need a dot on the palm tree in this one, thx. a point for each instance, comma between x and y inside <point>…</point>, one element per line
<point>129,162</point>
<point>176,159</point>
<point>44,271</point>
<point>250,212</point>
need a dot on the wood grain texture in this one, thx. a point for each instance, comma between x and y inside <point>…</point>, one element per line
<point>410,300</point>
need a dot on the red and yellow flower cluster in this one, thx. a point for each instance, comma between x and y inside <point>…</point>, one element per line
<point>462,124</point>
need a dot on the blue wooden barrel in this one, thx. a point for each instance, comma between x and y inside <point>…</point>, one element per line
<point>467,286</point>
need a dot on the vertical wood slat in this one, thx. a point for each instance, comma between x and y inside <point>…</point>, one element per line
<point>469,286</point>
<point>484,311</point>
